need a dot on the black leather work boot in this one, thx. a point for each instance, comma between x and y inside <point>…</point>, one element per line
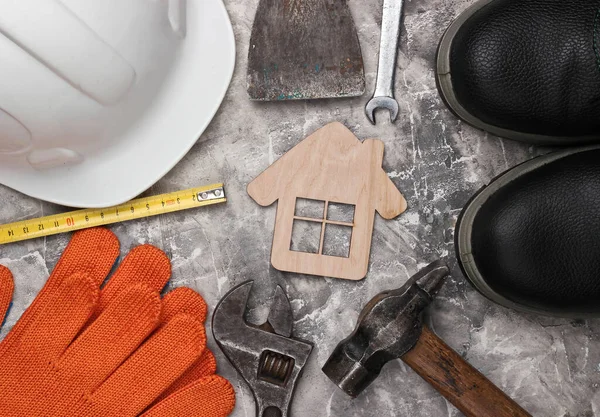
<point>527,70</point>
<point>530,240</point>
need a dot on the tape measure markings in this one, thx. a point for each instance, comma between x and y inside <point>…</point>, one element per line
<point>134,209</point>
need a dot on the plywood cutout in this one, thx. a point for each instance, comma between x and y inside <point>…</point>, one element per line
<point>334,167</point>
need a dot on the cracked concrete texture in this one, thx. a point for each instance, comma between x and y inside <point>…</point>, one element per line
<point>550,366</point>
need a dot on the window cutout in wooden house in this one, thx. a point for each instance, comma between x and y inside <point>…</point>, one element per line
<point>340,212</point>
<point>336,240</point>
<point>305,207</point>
<point>306,236</point>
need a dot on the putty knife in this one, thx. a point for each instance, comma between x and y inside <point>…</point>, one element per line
<point>304,49</point>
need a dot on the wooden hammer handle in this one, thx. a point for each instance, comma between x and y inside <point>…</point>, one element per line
<point>461,384</point>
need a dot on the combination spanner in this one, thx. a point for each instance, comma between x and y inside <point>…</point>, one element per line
<point>388,52</point>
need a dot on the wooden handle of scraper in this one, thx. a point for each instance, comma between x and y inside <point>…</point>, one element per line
<point>461,384</point>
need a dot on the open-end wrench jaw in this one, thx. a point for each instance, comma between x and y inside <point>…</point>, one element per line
<point>380,102</point>
<point>266,356</point>
<point>383,98</point>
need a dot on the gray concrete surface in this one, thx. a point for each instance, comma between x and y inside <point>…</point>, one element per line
<point>550,366</point>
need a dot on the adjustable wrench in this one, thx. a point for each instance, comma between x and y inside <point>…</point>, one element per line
<point>266,356</point>
<point>388,52</point>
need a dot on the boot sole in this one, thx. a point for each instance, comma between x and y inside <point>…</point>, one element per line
<point>443,79</point>
<point>464,230</point>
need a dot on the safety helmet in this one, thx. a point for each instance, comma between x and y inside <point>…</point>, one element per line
<point>101,98</point>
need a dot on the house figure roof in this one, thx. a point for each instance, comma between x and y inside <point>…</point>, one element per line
<point>330,166</point>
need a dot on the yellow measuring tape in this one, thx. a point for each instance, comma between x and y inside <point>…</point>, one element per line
<point>134,209</point>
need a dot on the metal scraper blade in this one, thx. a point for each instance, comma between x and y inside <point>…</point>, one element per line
<point>304,49</point>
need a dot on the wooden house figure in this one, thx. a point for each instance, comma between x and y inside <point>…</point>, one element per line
<point>331,167</point>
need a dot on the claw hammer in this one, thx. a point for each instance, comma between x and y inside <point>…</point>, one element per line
<point>391,327</point>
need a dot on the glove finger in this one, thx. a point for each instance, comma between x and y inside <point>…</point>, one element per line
<point>91,252</point>
<point>144,264</point>
<point>211,396</point>
<point>206,365</point>
<point>7,287</point>
<point>61,318</point>
<point>151,370</point>
<point>49,333</point>
<point>184,300</point>
<point>111,338</point>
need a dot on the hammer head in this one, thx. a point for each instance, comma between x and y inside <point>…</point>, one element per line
<point>387,328</point>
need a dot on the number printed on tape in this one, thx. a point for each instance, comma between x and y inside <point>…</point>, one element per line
<point>134,209</point>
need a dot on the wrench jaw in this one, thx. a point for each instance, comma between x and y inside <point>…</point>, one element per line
<point>381,102</point>
<point>269,362</point>
<point>229,312</point>
<point>280,315</point>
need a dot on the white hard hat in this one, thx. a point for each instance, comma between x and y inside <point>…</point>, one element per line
<point>101,98</point>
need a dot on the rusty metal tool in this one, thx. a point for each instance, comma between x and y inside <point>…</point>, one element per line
<point>391,327</point>
<point>388,53</point>
<point>266,356</point>
<point>304,49</point>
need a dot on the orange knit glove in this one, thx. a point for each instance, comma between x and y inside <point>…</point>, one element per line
<point>120,351</point>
